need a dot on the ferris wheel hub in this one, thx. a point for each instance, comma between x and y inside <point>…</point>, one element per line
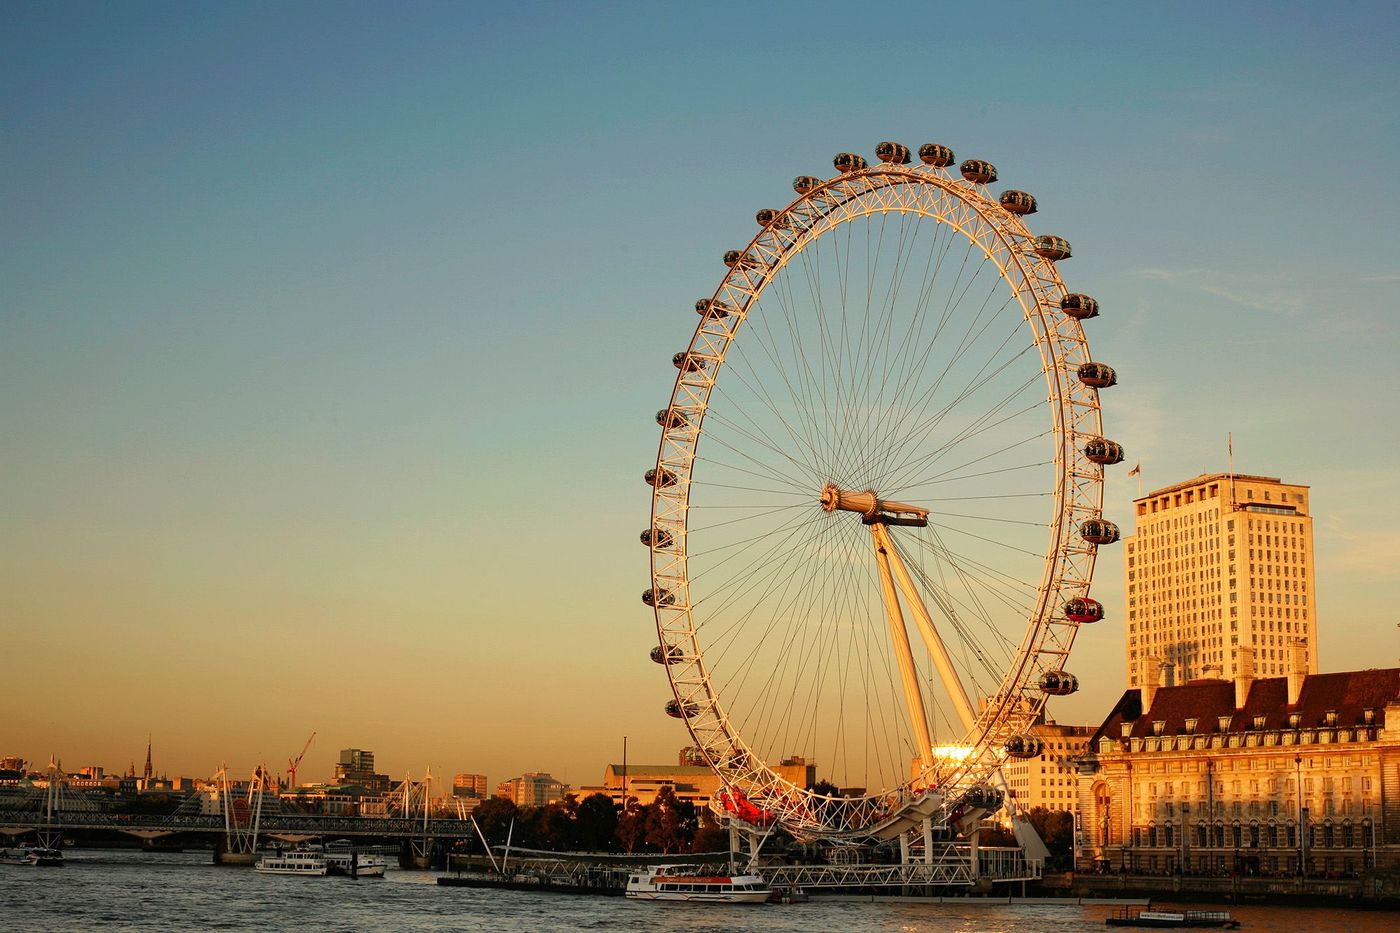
<point>871,506</point>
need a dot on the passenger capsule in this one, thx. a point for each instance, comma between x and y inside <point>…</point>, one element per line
<point>1024,745</point>
<point>713,308</point>
<point>1098,375</point>
<point>1059,683</point>
<point>892,153</point>
<point>936,155</point>
<point>982,797</point>
<point>1099,531</point>
<point>769,217</point>
<point>687,363</point>
<point>1053,248</point>
<point>658,597</point>
<point>1079,307</point>
<point>735,259</point>
<point>978,171</point>
<point>804,184</point>
<point>670,419</point>
<point>676,711</point>
<point>668,655</point>
<point>657,538</point>
<point>1102,450</point>
<point>660,478</point>
<point>848,162</point>
<point>1084,610</point>
<point>1017,202</point>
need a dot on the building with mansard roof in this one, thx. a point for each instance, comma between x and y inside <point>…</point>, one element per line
<point>1272,776</point>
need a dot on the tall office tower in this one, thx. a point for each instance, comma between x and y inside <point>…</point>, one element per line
<point>1217,563</point>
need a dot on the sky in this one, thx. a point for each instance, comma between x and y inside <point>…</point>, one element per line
<point>331,334</point>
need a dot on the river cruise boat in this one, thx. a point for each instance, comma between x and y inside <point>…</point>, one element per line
<point>296,862</point>
<point>34,856</point>
<point>1173,919</point>
<point>355,864</point>
<point>694,883</point>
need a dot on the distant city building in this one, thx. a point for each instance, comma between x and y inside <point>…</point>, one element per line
<point>692,780</point>
<point>469,785</point>
<point>356,766</point>
<point>532,789</point>
<point>696,784</point>
<point>1050,780</point>
<point>1216,564</point>
<point>692,756</point>
<point>1246,775</point>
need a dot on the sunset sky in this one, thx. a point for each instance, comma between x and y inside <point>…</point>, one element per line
<point>331,334</point>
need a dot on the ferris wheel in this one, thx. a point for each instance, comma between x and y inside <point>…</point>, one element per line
<point>877,497</point>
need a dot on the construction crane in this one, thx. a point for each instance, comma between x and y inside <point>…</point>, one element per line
<point>293,763</point>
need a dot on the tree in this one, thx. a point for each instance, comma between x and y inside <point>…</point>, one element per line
<point>669,826</point>
<point>709,836</point>
<point>632,828</point>
<point>596,823</point>
<point>1056,828</point>
<point>494,816</point>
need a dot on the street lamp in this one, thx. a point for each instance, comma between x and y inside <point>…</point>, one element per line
<point>1302,816</point>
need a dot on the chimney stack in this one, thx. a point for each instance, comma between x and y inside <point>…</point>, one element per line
<point>1245,677</point>
<point>1297,670</point>
<point>1168,674</point>
<point>1151,678</point>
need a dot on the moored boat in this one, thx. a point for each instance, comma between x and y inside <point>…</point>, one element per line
<point>18,857</point>
<point>47,858</point>
<point>1173,919</point>
<point>694,883</point>
<point>354,864</point>
<point>296,862</point>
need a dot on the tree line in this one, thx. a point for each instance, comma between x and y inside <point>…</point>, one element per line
<point>667,825</point>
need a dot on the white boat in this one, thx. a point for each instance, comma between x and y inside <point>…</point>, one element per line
<point>18,857</point>
<point>365,864</point>
<point>296,862</point>
<point>695,883</point>
<point>32,856</point>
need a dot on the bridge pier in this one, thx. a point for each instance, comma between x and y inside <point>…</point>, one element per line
<point>224,856</point>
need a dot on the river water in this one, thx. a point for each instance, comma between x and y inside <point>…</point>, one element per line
<point>121,890</point>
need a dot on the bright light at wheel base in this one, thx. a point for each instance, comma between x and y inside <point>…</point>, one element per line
<point>953,752</point>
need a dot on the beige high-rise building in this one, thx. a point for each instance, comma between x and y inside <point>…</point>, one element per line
<point>1217,563</point>
<point>1050,779</point>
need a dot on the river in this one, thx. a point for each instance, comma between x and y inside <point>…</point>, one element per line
<point>123,890</point>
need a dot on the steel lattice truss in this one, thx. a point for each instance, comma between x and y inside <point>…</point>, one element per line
<point>1070,411</point>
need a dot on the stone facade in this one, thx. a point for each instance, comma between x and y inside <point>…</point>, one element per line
<point>1247,777</point>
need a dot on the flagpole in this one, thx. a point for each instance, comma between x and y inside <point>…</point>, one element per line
<point>1230,449</point>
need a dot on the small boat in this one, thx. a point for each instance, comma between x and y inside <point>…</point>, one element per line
<point>354,864</point>
<point>1173,919</point>
<point>47,858</point>
<point>18,857</point>
<point>694,883</point>
<point>295,862</point>
<point>787,894</point>
<point>34,856</point>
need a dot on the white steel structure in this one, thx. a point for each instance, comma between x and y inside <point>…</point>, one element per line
<point>888,411</point>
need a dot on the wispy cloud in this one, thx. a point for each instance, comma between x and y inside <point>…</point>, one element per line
<point>1383,277</point>
<point>1254,292</point>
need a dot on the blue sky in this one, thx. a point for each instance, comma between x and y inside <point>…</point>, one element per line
<point>330,334</point>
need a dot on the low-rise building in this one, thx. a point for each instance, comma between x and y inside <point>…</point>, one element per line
<point>1281,775</point>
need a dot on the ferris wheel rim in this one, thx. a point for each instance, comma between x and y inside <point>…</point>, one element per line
<point>723,745</point>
